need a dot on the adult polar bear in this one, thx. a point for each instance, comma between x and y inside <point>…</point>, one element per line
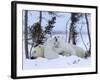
<point>57,45</point>
<point>46,50</point>
<point>67,49</point>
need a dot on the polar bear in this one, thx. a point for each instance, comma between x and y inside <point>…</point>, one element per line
<point>37,51</point>
<point>67,49</point>
<point>46,50</point>
<point>49,46</point>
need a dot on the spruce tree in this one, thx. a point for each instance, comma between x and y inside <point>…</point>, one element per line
<point>37,33</point>
<point>72,30</point>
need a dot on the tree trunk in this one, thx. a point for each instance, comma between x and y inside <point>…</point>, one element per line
<point>72,34</point>
<point>88,32</point>
<point>73,31</point>
<point>40,18</point>
<point>69,35</point>
<point>66,29</point>
<point>73,39</point>
<point>26,36</point>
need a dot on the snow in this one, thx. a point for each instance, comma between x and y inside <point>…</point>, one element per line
<point>61,62</point>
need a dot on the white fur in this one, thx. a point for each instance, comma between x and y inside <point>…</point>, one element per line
<point>38,51</point>
<point>49,52</point>
<point>54,47</point>
<point>79,51</point>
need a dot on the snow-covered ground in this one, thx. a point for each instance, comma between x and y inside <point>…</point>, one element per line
<point>61,62</point>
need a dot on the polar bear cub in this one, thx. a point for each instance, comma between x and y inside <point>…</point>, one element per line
<point>49,51</point>
<point>37,51</point>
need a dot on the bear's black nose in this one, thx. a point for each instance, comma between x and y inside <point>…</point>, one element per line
<point>33,57</point>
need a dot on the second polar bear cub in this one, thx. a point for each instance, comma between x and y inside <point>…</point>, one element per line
<point>67,49</point>
<point>49,47</point>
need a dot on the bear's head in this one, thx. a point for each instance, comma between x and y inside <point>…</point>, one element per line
<point>37,52</point>
<point>57,43</point>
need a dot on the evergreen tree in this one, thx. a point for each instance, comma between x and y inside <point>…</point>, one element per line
<point>72,30</point>
<point>37,34</point>
<point>50,25</point>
